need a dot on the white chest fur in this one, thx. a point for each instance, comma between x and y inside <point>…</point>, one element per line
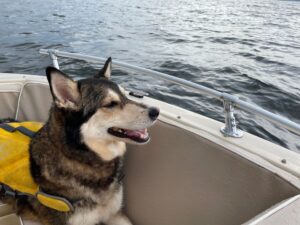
<point>100,213</point>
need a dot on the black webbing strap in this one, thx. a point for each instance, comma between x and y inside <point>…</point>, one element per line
<point>21,129</point>
<point>8,192</point>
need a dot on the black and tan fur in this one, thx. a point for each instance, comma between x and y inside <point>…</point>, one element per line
<point>75,157</point>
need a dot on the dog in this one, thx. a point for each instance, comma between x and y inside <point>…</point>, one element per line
<point>78,153</point>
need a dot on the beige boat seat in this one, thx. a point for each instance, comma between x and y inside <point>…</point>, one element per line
<point>28,101</point>
<point>9,95</point>
<point>35,96</point>
<point>286,212</point>
<point>7,215</point>
<point>11,219</point>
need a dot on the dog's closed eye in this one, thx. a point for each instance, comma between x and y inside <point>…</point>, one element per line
<point>111,104</point>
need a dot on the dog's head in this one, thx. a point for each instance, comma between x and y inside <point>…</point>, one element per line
<point>99,110</point>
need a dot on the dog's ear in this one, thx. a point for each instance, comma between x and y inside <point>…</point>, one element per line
<point>64,90</point>
<point>105,72</point>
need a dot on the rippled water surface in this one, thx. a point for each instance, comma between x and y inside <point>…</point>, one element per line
<point>247,48</point>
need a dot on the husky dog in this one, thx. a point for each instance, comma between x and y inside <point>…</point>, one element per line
<point>78,152</point>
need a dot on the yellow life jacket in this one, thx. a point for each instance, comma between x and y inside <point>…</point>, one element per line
<point>15,176</point>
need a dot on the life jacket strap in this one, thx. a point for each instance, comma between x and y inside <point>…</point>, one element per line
<point>51,201</point>
<point>7,191</point>
<point>55,202</point>
<point>21,129</point>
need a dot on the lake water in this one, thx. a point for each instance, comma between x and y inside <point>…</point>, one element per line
<point>247,48</point>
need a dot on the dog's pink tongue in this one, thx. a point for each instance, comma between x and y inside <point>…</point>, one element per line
<point>137,133</point>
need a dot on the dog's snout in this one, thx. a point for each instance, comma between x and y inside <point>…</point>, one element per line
<point>153,113</point>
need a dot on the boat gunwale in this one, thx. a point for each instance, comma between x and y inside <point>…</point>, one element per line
<point>225,97</point>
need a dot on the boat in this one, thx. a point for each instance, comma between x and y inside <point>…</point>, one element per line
<point>195,170</point>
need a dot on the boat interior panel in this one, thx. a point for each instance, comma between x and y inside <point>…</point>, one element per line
<point>178,178</point>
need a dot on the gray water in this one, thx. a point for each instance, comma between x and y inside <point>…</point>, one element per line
<point>247,48</point>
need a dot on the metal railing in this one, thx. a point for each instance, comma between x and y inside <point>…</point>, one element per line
<point>229,101</point>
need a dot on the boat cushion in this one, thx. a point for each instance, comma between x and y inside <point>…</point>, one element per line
<point>25,102</point>
<point>9,94</point>
<point>34,102</point>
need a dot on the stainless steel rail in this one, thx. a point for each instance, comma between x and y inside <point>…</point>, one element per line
<point>230,128</point>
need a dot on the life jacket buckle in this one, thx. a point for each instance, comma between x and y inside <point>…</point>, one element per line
<point>7,191</point>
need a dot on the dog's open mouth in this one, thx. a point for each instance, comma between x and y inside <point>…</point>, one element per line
<point>139,136</point>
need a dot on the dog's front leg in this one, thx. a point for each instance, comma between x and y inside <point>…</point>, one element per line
<point>119,219</point>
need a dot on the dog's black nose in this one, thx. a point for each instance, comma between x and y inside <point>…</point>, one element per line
<point>153,113</point>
